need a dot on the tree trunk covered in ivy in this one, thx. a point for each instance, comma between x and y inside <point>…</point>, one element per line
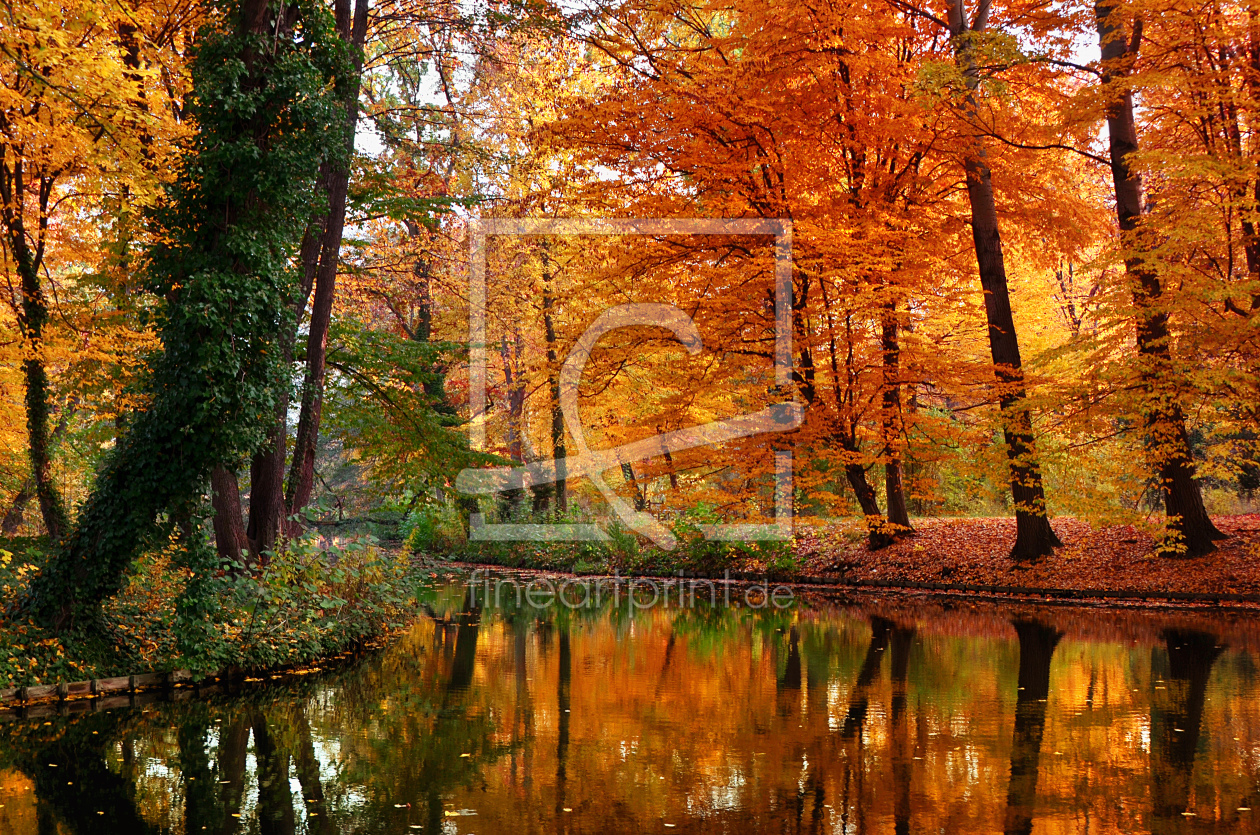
<point>273,498</point>
<point>26,247</point>
<point>227,235</point>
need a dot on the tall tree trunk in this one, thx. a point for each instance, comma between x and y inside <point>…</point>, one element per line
<point>558,450</point>
<point>1034,538</point>
<point>894,491</point>
<point>301,478</point>
<point>1167,443</point>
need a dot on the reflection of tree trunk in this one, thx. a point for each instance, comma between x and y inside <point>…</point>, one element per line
<point>522,725</point>
<point>816,673</point>
<point>275,798</point>
<point>1176,717</point>
<point>1036,646</point>
<point>306,764</point>
<point>562,736</point>
<point>791,679</point>
<point>856,715</point>
<point>667,660</point>
<point>788,686</point>
<point>73,781</point>
<point>433,805</point>
<point>901,763</point>
<point>465,659</point>
<point>233,748</point>
<point>202,811</point>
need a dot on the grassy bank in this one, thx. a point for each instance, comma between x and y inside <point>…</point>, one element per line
<point>314,600</point>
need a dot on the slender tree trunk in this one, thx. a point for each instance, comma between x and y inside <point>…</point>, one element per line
<point>895,495</point>
<point>1167,443</point>
<point>878,533</point>
<point>639,498</point>
<point>301,478</point>
<point>1034,538</point>
<point>514,386</point>
<point>559,452</point>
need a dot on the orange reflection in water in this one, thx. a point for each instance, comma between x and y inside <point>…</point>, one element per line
<point>839,715</point>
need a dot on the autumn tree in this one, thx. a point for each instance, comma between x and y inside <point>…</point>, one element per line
<point>265,104</point>
<point>74,119</point>
<point>1167,442</point>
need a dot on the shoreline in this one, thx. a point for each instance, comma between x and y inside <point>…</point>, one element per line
<point>819,583</point>
<point>968,557</point>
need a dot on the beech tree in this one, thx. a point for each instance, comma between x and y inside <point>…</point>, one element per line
<point>1167,443</point>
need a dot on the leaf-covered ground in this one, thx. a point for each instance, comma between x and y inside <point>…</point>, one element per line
<point>977,551</point>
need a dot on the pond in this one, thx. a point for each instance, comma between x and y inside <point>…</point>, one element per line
<point>828,714</point>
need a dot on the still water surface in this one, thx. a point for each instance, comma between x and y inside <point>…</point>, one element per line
<point>837,715</point>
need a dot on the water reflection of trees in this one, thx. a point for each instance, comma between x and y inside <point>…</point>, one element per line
<point>799,721</point>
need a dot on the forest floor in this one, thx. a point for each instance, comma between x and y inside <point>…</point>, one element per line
<point>977,552</point>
